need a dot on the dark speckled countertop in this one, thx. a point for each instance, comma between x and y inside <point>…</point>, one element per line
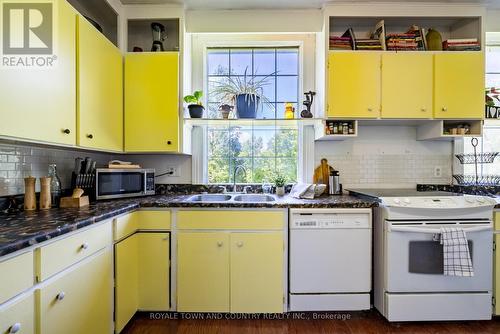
<point>24,229</point>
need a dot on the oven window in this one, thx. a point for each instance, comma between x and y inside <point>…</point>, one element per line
<point>426,257</point>
<point>120,183</point>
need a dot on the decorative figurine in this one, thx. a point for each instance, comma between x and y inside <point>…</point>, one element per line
<point>306,113</point>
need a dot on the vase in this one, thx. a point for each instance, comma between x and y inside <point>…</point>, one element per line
<point>434,40</point>
<point>280,191</point>
<point>246,105</point>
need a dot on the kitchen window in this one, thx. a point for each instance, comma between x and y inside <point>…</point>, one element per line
<point>264,147</point>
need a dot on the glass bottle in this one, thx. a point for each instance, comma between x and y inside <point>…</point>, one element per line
<point>55,185</point>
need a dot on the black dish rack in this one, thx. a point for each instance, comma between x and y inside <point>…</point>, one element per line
<point>476,159</point>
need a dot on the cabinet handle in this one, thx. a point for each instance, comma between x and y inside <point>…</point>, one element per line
<point>66,131</point>
<point>169,142</point>
<point>85,246</point>
<point>15,328</point>
<point>239,244</point>
<point>423,109</point>
<point>90,136</point>
<point>60,295</point>
<point>219,243</point>
<point>444,109</point>
<point>370,109</point>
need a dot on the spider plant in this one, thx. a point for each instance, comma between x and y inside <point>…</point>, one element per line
<point>246,85</point>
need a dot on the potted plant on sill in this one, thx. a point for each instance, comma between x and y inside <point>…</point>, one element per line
<point>245,93</point>
<point>279,182</point>
<point>195,106</point>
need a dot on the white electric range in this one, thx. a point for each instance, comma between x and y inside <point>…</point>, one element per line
<point>409,284</point>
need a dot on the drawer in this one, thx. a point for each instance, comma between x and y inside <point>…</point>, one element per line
<point>57,256</point>
<point>20,314</point>
<point>141,220</point>
<point>496,217</point>
<point>17,275</point>
<point>231,220</point>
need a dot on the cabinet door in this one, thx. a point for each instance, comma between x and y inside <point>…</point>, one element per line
<point>202,272</point>
<point>152,102</point>
<point>407,85</point>
<point>257,272</point>
<point>80,301</point>
<point>459,85</point>
<point>126,281</point>
<point>154,271</point>
<point>100,90</point>
<point>354,85</point>
<point>39,103</point>
<point>20,315</point>
<point>496,275</point>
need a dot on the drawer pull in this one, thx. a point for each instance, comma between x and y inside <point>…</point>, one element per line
<point>444,109</point>
<point>60,296</point>
<point>370,109</point>
<point>85,246</point>
<point>15,328</point>
<point>219,243</point>
<point>239,244</point>
<point>423,109</point>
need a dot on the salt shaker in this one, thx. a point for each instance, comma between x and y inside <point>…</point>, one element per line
<point>29,193</point>
<point>45,197</point>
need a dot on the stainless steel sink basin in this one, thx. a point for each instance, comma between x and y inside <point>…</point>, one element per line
<point>253,198</point>
<point>209,198</point>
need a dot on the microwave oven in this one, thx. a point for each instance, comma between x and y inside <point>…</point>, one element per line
<point>122,183</point>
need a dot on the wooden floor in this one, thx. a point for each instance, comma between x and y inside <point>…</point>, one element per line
<point>352,322</point>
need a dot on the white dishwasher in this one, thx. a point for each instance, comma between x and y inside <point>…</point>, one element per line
<point>330,259</point>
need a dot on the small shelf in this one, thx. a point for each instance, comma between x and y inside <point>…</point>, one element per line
<point>251,122</point>
<point>326,130</point>
<point>101,13</point>
<point>449,129</point>
<point>140,34</point>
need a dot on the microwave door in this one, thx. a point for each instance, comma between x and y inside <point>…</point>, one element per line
<point>119,184</point>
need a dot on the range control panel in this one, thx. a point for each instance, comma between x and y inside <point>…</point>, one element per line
<point>466,201</point>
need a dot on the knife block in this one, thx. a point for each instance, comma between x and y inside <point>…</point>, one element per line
<point>85,182</point>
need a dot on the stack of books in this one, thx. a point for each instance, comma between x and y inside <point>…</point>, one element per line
<point>368,44</point>
<point>401,42</point>
<point>462,44</point>
<point>340,43</point>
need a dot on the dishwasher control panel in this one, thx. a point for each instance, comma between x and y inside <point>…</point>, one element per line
<point>330,220</point>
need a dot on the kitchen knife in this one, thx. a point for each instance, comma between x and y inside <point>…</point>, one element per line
<point>78,166</point>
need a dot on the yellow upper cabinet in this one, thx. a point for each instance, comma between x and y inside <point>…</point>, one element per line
<point>100,90</point>
<point>38,103</point>
<point>406,85</point>
<point>152,102</point>
<point>459,85</point>
<point>354,85</point>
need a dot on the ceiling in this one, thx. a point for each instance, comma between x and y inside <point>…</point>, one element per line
<point>278,4</point>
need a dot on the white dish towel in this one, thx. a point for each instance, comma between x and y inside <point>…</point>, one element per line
<point>303,190</point>
<point>456,255</point>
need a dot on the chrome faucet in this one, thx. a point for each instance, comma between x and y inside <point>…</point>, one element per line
<point>236,169</point>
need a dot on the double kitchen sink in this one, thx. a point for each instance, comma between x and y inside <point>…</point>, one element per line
<point>242,198</point>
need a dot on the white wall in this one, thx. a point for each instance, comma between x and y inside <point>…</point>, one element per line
<point>492,20</point>
<point>387,157</point>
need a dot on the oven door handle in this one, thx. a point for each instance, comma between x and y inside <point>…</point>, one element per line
<point>435,230</point>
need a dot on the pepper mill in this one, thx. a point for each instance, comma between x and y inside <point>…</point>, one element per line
<point>29,193</point>
<point>45,197</point>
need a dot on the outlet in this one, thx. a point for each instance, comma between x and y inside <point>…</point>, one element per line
<point>170,172</point>
<point>438,171</point>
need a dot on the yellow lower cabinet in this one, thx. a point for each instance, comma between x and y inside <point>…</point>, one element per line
<point>80,301</point>
<point>496,277</point>
<point>203,272</point>
<point>257,272</point>
<point>126,281</point>
<point>18,317</point>
<point>154,271</point>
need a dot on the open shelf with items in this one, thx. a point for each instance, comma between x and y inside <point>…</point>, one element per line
<point>449,129</point>
<point>101,15</point>
<point>140,34</point>
<point>252,121</point>
<point>332,129</point>
<point>468,27</point>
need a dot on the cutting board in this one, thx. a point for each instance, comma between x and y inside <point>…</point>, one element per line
<point>322,174</point>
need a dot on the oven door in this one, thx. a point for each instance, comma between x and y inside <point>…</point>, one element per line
<point>414,258</point>
<point>120,183</point>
